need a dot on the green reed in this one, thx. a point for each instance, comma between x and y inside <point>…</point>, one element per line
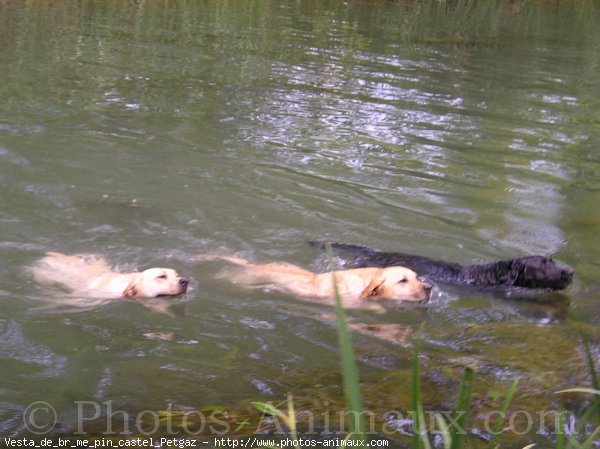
<point>350,376</point>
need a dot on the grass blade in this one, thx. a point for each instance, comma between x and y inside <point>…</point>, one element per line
<point>560,432</point>
<point>505,406</point>
<point>585,418</point>
<point>292,420</point>
<point>444,430</point>
<point>267,408</point>
<point>462,409</point>
<point>592,367</point>
<point>416,397</point>
<point>580,390</point>
<point>349,367</point>
<point>592,439</point>
<point>422,429</point>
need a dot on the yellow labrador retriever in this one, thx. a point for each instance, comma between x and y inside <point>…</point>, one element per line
<point>354,286</point>
<point>91,277</point>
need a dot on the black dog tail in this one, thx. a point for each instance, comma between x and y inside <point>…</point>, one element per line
<point>341,247</point>
<point>316,244</point>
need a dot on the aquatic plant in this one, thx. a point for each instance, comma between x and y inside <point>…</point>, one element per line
<point>577,438</point>
<point>452,434</point>
<point>289,418</point>
<point>349,368</point>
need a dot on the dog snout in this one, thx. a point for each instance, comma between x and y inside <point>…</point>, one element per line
<point>566,277</point>
<point>184,283</point>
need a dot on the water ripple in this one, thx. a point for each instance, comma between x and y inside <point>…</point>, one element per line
<point>15,346</point>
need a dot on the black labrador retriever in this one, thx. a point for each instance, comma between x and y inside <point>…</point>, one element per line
<point>534,272</point>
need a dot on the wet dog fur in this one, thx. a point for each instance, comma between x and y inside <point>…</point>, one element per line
<point>530,272</point>
<point>89,276</point>
<point>356,287</point>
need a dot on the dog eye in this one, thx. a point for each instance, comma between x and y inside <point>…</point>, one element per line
<point>402,281</point>
<point>162,276</point>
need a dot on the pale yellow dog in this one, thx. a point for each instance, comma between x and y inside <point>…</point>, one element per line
<point>90,276</point>
<point>356,287</point>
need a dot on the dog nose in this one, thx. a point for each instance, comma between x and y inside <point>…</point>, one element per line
<point>566,277</point>
<point>184,282</point>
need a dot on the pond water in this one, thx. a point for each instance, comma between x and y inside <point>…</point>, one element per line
<point>150,132</point>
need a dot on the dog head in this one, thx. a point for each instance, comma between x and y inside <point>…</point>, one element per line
<point>539,272</point>
<point>155,282</point>
<point>397,283</point>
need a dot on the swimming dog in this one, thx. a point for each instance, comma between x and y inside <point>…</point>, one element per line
<point>530,272</point>
<point>90,276</point>
<point>356,287</point>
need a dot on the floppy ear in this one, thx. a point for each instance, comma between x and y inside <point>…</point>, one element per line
<point>504,272</point>
<point>517,267</point>
<point>131,291</point>
<point>374,287</point>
